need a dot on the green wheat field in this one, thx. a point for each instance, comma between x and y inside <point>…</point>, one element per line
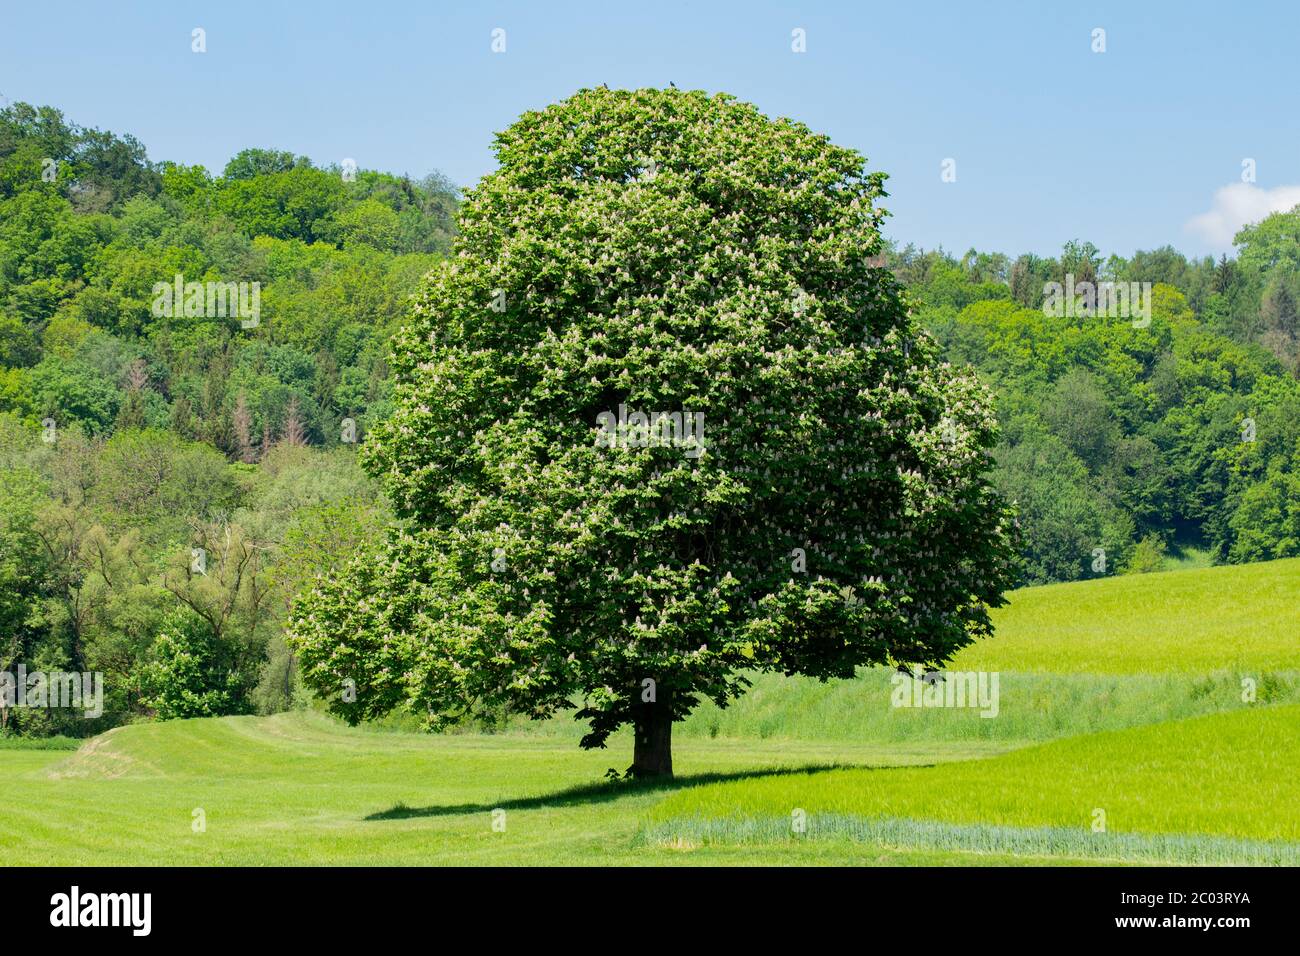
<point>1142,719</point>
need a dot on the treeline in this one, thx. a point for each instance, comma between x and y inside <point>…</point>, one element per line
<point>156,561</point>
<point>168,483</point>
<point>88,227</point>
<point>1130,445</point>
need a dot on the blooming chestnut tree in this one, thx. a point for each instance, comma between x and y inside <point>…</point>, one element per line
<point>662,420</point>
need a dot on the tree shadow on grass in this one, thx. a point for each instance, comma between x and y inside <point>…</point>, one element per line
<point>608,790</point>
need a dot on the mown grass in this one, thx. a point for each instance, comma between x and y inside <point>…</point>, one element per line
<point>40,743</point>
<point>303,789</point>
<point>1124,695</point>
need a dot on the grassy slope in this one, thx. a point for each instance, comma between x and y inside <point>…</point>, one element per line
<point>1032,707</point>
<point>301,789</point>
<point>1240,618</point>
<point>1220,775</point>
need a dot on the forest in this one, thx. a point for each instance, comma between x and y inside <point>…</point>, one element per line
<point>171,482</point>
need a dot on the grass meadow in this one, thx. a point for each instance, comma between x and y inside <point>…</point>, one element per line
<point>1168,703</point>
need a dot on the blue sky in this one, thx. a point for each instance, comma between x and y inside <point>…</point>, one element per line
<point>1132,148</point>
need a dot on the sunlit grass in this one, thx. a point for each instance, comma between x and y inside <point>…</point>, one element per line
<point>1044,843</point>
<point>1124,696</point>
<point>1230,775</point>
<point>302,789</point>
<point>1242,618</point>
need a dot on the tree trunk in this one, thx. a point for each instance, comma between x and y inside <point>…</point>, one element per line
<point>652,753</point>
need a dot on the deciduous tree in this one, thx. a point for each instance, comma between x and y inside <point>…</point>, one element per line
<point>664,253</point>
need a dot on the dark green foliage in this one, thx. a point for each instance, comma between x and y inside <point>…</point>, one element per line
<point>670,251</point>
<point>188,674</point>
<point>171,432</point>
<point>1133,439</point>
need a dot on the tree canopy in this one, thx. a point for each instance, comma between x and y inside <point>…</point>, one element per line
<point>638,256</point>
<point>1159,446</point>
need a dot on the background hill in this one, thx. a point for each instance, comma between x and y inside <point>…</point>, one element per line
<point>131,441</point>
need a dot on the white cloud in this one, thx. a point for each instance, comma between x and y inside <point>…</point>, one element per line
<point>1237,204</point>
